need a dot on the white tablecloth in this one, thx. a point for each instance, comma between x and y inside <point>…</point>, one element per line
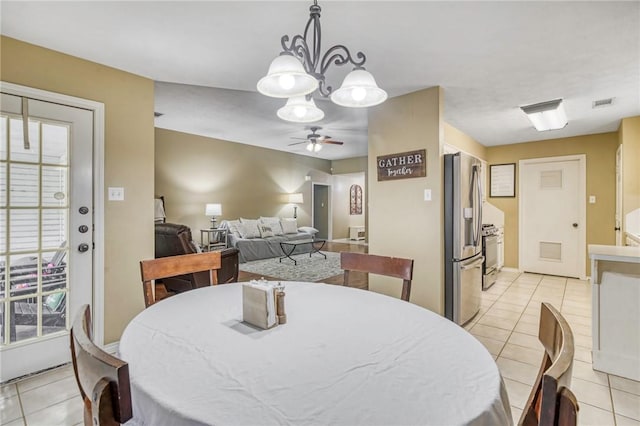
<point>345,357</point>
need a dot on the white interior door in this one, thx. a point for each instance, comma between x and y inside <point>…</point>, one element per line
<point>552,216</point>
<point>46,237</point>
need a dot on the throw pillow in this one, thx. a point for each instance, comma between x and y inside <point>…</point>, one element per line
<point>249,228</point>
<point>308,230</point>
<point>265,231</point>
<point>273,223</point>
<point>289,226</point>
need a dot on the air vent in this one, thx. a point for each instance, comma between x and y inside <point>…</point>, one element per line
<point>157,114</point>
<point>602,103</point>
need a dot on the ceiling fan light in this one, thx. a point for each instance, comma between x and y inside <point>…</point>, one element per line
<point>314,147</point>
<point>286,78</point>
<point>358,90</point>
<point>300,110</point>
<point>549,115</point>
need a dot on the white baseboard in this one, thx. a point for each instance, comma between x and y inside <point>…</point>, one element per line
<point>505,269</point>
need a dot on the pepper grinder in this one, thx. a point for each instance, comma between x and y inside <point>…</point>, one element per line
<point>282,317</point>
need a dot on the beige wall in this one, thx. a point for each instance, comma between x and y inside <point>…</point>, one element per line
<point>401,223</point>
<point>129,143</point>
<point>630,139</point>
<point>248,181</point>
<point>463,142</point>
<point>340,205</point>
<point>600,151</point>
<point>349,165</point>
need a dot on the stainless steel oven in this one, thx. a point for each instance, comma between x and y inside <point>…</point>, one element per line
<point>490,253</point>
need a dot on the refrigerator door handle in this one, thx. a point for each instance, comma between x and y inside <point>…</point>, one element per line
<point>474,264</point>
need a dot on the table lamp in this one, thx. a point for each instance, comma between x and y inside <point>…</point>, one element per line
<point>213,210</point>
<point>295,198</point>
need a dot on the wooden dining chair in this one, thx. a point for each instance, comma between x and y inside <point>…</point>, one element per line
<point>103,379</point>
<point>381,265</point>
<point>551,402</point>
<point>166,267</point>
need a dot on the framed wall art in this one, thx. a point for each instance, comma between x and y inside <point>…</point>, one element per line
<point>502,180</point>
<point>355,200</point>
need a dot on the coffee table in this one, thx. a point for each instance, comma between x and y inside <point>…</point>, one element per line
<point>288,247</point>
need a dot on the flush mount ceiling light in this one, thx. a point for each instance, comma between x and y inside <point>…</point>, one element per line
<point>300,70</point>
<point>300,110</point>
<point>549,115</point>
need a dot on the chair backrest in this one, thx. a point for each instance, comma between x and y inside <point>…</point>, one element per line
<point>381,265</point>
<point>230,266</point>
<point>102,378</point>
<point>551,401</point>
<point>154,269</point>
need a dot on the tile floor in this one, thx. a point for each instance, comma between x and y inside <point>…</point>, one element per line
<point>507,325</point>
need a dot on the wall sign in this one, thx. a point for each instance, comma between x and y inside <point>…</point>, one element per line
<point>405,165</point>
<point>502,180</point>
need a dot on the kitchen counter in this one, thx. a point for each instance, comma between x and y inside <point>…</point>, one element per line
<point>615,287</point>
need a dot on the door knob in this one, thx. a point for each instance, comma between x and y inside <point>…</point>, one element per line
<point>575,225</point>
<point>83,247</point>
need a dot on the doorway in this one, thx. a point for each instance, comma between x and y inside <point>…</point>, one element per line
<point>47,221</point>
<point>553,216</point>
<point>321,210</point>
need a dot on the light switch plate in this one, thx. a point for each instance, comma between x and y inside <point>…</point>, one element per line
<point>592,199</point>
<point>427,195</point>
<point>116,194</point>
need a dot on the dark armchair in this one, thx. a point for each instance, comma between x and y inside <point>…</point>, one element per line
<point>174,239</point>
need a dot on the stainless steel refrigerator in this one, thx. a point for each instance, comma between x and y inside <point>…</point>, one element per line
<point>462,236</point>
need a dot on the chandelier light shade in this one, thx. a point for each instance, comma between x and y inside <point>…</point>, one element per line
<point>301,63</point>
<point>359,89</point>
<point>549,115</point>
<point>300,110</point>
<point>286,78</point>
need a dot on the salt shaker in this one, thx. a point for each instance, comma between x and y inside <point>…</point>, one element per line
<point>282,317</point>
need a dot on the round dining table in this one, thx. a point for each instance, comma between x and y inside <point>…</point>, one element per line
<point>344,356</point>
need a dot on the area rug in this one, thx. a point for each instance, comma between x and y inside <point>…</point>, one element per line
<point>314,268</point>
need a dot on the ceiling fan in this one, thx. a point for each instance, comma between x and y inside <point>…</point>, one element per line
<point>315,140</point>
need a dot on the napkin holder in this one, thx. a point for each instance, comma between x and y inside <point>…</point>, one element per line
<point>263,304</point>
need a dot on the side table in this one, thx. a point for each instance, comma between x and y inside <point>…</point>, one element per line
<point>216,239</point>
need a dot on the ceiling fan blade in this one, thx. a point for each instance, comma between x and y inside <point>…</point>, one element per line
<point>298,143</point>
<point>332,142</point>
<point>302,139</point>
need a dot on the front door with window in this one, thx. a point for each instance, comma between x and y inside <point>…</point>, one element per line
<point>46,230</point>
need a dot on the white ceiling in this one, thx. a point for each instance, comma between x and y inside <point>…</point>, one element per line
<point>489,57</point>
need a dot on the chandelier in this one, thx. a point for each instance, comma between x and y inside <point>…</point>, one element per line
<point>299,71</point>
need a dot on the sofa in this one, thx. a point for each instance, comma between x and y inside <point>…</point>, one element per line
<point>260,238</point>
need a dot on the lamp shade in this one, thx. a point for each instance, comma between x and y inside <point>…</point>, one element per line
<point>286,78</point>
<point>359,89</point>
<point>548,115</point>
<point>213,209</point>
<point>295,198</point>
<point>300,110</point>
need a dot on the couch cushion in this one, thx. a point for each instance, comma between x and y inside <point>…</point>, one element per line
<point>249,228</point>
<point>289,226</point>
